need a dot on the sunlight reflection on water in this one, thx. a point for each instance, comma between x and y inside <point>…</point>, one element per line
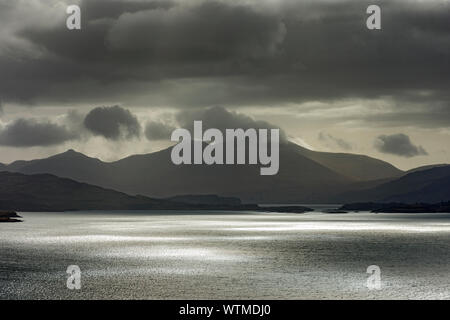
<point>225,256</point>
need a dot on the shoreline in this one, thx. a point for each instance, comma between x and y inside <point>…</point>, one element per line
<point>9,216</point>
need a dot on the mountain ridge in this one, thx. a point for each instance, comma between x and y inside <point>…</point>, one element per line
<point>301,179</point>
<point>365,172</point>
<point>429,185</point>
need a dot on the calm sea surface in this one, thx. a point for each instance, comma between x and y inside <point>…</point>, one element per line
<point>169,255</point>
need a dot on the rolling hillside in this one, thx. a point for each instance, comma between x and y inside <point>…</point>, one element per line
<point>46,192</point>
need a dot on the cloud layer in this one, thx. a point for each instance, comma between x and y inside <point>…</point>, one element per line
<point>306,66</point>
<point>201,53</point>
<point>30,133</point>
<point>398,144</point>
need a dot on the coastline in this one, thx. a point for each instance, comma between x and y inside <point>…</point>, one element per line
<point>9,216</point>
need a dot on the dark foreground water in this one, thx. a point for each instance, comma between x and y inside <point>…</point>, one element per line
<point>138,255</point>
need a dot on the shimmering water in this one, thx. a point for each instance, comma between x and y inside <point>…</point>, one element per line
<point>149,255</point>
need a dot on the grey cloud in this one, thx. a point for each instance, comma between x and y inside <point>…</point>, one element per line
<point>341,143</point>
<point>398,144</point>
<point>211,31</point>
<point>133,48</point>
<point>222,119</point>
<point>236,54</point>
<point>112,123</point>
<point>100,9</point>
<point>158,131</point>
<point>411,111</point>
<point>177,40</point>
<point>30,133</point>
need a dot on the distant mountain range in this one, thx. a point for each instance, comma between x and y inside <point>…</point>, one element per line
<point>305,176</point>
<point>45,192</point>
<point>425,185</point>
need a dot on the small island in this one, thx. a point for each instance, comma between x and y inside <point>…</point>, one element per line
<point>9,216</point>
<point>284,209</point>
<point>335,211</point>
<point>216,202</point>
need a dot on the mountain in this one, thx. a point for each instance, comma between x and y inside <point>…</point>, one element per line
<point>429,186</point>
<point>427,167</point>
<point>46,192</point>
<point>354,166</point>
<point>69,164</point>
<point>304,177</point>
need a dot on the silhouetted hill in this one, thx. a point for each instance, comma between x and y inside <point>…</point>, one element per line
<point>431,166</point>
<point>299,178</point>
<point>354,166</point>
<point>429,186</point>
<point>70,164</point>
<point>304,177</point>
<point>395,207</point>
<point>46,192</point>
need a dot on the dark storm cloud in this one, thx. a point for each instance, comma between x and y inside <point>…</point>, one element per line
<point>158,131</point>
<point>179,40</point>
<point>210,32</point>
<point>211,39</point>
<point>222,119</point>
<point>236,54</point>
<point>398,144</point>
<point>30,133</point>
<point>112,123</point>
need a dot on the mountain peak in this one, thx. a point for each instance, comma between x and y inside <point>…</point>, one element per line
<point>73,155</point>
<point>70,153</point>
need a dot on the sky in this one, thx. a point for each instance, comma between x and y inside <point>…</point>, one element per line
<point>138,69</point>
